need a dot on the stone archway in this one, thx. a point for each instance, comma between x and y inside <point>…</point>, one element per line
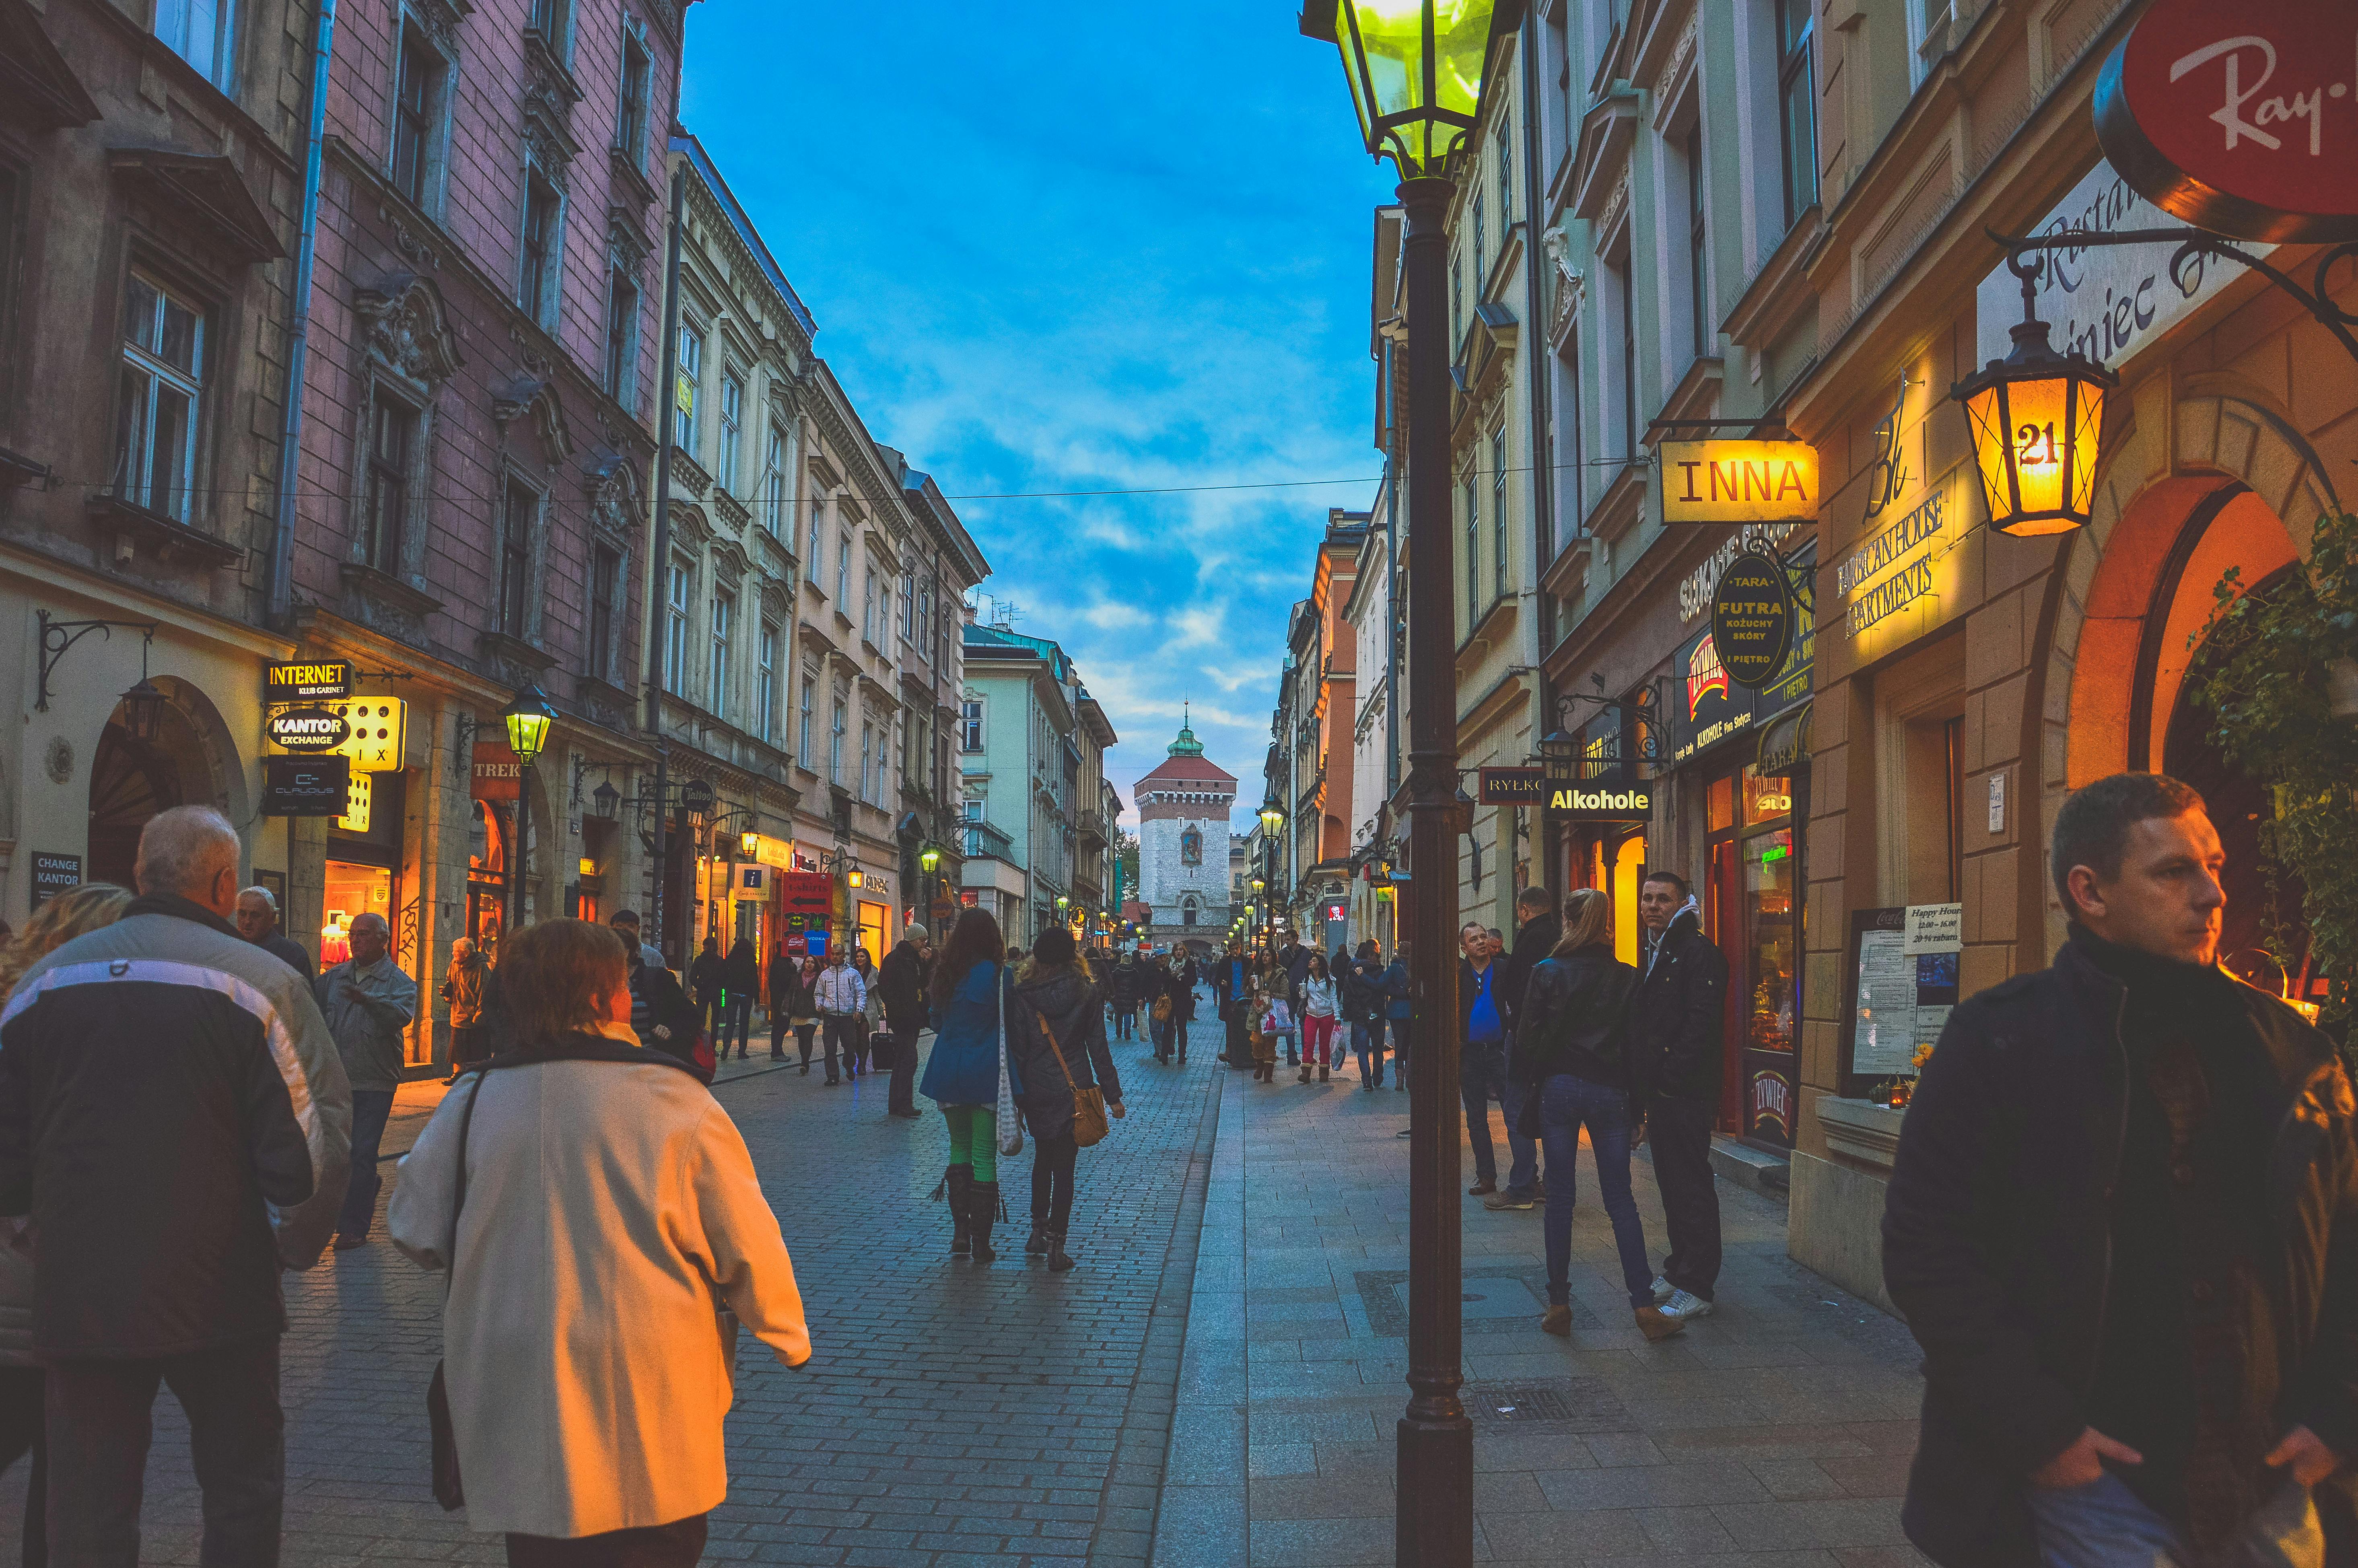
<point>2219,476</point>
<point>190,760</point>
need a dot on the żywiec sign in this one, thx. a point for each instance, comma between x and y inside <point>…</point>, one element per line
<point>1739,482</point>
<point>2109,303</point>
<point>2240,118</point>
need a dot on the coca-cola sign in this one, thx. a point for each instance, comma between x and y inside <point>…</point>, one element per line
<point>2242,118</point>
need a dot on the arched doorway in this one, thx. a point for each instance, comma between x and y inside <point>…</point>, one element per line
<point>130,781</point>
<point>2141,652</point>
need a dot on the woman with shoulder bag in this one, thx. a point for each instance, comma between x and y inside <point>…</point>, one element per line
<point>962,1075</point>
<point>1056,1046</point>
<point>1571,1049</point>
<point>587,1395</point>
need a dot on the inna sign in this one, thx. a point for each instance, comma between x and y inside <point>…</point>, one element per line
<point>1739,482</point>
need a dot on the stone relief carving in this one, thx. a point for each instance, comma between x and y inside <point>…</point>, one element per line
<point>535,399</point>
<point>615,504</point>
<point>407,330</point>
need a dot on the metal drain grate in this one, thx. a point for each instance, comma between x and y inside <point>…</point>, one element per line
<point>1584,1403</point>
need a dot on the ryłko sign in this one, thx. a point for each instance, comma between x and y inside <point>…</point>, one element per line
<point>306,728</point>
<point>1739,482</point>
<point>1513,786</point>
<point>2242,119</point>
<point>1752,620</point>
<point>314,682</point>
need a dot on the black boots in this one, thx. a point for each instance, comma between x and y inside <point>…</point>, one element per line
<point>1054,1247</point>
<point>982,1212</point>
<point>961,1181</point>
<point>1037,1241</point>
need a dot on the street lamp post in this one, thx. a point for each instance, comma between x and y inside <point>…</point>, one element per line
<point>1272,823</point>
<point>528,718</point>
<point>1416,70</point>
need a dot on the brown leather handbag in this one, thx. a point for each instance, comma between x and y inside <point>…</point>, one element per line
<point>1090,1124</point>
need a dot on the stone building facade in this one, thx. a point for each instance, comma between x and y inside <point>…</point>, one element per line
<point>1183,830</point>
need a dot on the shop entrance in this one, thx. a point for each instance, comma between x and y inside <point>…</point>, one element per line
<point>1751,905</point>
<point>130,781</point>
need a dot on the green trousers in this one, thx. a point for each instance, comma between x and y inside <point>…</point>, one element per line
<point>974,1138</point>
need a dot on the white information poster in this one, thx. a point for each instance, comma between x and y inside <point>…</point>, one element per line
<point>1908,961</point>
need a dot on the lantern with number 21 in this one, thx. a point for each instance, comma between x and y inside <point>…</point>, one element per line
<point>2037,417</point>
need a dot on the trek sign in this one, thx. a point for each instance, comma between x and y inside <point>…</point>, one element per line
<point>2240,119</point>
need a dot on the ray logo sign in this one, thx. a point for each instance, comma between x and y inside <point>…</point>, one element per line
<point>2242,119</point>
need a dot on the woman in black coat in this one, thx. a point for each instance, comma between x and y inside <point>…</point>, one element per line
<point>1056,1046</point>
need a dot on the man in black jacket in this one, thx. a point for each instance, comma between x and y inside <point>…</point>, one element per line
<point>1540,929</point>
<point>901,985</point>
<point>1677,1023</point>
<point>2124,1227</point>
<point>176,1119</point>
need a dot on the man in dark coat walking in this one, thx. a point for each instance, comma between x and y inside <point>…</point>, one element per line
<point>707,976</point>
<point>901,984</point>
<point>2124,1227</point>
<point>1678,1023</point>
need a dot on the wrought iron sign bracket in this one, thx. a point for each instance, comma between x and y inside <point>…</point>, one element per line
<point>2193,243</point>
<point>56,636</point>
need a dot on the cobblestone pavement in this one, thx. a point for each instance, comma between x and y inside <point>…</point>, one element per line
<point>1776,1431</point>
<point>1216,1385</point>
<point>950,1415</point>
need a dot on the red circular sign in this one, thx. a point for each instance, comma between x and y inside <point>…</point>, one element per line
<point>2241,118</point>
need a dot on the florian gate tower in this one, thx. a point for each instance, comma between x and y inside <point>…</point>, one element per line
<point>1183,844</point>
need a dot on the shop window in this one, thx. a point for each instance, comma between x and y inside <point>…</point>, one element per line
<point>765,685</point>
<point>675,629</point>
<point>163,387</point>
<point>351,891</point>
<point>803,739</point>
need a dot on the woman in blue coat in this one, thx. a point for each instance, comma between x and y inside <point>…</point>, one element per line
<point>962,1075</point>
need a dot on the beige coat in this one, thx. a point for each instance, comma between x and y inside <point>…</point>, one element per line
<point>611,1212</point>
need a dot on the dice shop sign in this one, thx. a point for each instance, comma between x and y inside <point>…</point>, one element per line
<point>2242,119</point>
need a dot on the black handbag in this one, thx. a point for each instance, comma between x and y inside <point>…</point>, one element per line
<point>448,1490</point>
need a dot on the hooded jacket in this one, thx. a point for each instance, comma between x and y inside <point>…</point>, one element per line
<point>1998,1246</point>
<point>741,970</point>
<point>176,1118</point>
<point>1677,1019</point>
<point>1063,1001</point>
<point>1534,940</point>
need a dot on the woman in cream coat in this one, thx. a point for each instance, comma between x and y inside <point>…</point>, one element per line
<point>610,1211</point>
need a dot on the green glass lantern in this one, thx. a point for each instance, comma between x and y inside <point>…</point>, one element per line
<point>528,718</point>
<point>1415,69</point>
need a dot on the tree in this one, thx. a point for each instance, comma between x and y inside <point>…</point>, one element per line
<point>2271,670</point>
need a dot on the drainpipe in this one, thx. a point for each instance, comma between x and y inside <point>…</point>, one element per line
<point>1535,261</point>
<point>278,612</point>
<point>659,558</point>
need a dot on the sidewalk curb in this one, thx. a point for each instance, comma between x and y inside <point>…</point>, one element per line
<point>1130,1514</point>
<point>1201,1520</point>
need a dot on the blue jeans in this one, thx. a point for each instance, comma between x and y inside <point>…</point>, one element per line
<point>2105,1525</point>
<point>1481,1077</point>
<point>1368,1041</point>
<point>738,1021</point>
<point>1566,1104</point>
<point>369,1109</point>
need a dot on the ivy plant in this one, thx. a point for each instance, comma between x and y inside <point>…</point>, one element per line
<point>2268,675</point>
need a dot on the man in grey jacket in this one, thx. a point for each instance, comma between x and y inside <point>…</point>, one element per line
<point>369,1002</point>
<point>174,1119</point>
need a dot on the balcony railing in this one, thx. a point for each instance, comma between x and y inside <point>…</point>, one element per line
<point>984,841</point>
<point>1093,826</point>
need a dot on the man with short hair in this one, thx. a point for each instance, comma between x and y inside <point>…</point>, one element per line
<point>1484,1016</point>
<point>2122,1225</point>
<point>257,921</point>
<point>901,984</point>
<point>368,1001</point>
<point>175,1121</point>
<point>1677,1025</point>
<point>625,923</point>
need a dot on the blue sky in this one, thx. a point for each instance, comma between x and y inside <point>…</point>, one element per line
<point>1095,247</point>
